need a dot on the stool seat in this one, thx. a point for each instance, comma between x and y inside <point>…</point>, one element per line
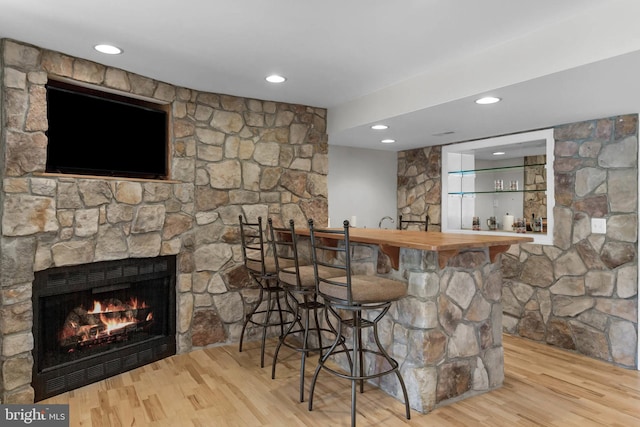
<point>269,265</point>
<point>407,224</point>
<point>364,289</point>
<point>307,275</point>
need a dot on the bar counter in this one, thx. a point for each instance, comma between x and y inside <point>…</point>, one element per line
<point>445,244</point>
<point>447,332</point>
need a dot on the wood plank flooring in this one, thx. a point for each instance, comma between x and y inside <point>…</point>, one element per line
<point>219,386</point>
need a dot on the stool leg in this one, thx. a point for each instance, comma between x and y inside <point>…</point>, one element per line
<point>343,341</point>
<point>317,322</point>
<point>305,346</point>
<point>324,358</point>
<point>296,315</point>
<point>358,315</point>
<point>357,365</point>
<point>266,324</point>
<point>251,313</point>
<point>277,292</point>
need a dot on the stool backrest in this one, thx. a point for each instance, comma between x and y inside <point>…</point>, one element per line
<point>285,247</point>
<point>404,223</point>
<point>253,245</point>
<point>331,254</point>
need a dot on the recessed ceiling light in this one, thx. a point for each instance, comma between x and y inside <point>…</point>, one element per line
<point>274,78</point>
<point>488,100</point>
<point>388,141</point>
<point>108,49</point>
<point>499,153</point>
<point>379,127</point>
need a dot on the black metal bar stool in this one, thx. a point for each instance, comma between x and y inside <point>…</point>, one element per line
<point>404,223</point>
<point>262,269</point>
<point>349,298</point>
<point>299,282</point>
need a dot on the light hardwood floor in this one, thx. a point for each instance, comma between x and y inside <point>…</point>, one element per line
<point>219,386</point>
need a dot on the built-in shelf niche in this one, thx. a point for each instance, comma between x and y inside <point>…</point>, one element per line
<point>478,183</point>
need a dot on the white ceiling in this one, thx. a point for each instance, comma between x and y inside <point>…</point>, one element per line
<point>416,65</point>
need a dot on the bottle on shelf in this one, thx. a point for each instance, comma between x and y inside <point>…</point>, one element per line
<point>531,224</point>
<point>475,225</point>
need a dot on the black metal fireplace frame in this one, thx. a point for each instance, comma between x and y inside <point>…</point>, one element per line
<point>52,381</point>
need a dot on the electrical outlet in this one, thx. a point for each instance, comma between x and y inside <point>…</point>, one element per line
<point>598,225</point>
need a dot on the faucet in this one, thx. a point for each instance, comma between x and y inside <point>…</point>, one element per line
<point>383,218</point>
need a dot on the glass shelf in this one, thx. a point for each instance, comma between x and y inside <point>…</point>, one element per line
<point>504,232</point>
<point>462,193</point>
<point>471,172</point>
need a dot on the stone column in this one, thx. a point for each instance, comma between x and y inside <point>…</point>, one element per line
<point>446,334</point>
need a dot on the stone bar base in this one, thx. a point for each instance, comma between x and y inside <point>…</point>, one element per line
<point>447,333</point>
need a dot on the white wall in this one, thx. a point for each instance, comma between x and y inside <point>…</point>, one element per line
<point>362,183</point>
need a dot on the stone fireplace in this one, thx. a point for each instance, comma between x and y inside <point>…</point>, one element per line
<point>228,156</point>
<point>100,319</point>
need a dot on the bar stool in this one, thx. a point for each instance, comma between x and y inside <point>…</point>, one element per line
<point>299,282</point>
<point>262,269</point>
<point>348,298</point>
<point>404,223</point>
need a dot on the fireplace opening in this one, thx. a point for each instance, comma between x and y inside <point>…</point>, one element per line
<point>97,320</point>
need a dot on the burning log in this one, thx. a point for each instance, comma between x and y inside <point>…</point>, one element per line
<point>106,319</point>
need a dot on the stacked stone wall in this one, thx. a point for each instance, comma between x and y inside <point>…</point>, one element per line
<point>535,179</point>
<point>581,293</point>
<point>230,156</point>
<point>419,185</point>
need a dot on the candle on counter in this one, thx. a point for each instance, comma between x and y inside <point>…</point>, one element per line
<point>507,222</point>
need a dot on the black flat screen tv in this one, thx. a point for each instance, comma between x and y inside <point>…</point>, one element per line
<point>99,133</point>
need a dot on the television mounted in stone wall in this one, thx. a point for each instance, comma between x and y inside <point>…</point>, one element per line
<point>93,132</point>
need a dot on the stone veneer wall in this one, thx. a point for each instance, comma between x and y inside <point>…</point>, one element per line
<point>419,185</point>
<point>229,156</point>
<point>535,178</point>
<point>581,293</point>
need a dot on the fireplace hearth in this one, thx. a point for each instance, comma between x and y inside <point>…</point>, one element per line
<point>97,320</point>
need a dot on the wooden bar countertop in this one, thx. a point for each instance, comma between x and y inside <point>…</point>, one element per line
<point>446,244</point>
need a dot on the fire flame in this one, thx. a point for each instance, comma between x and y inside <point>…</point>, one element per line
<point>110,318</point>
<point>115,324</point>
<point>110,308</point>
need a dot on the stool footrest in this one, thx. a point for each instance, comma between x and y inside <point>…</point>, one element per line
<point>364,323</point>
<point>299,348</point>
<point>274,322</point>
<point>311,305</point>
<point>344,374</point>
